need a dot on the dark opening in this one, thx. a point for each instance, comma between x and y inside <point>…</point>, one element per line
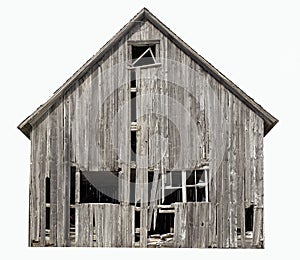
<point>132,186</point>
<point>72,217</point>
<point>146,59</point>
<point>99,187</point>
<point>164,224</point>
<point>47,190</point>
<point>174,195</point>
<point>194,177</point>
<point>133,106</point>
<point>47,217</point>
<point>150,176</point>
<point>200,176</point>
<point>249,218</point>
<point>150,183</point>
<point>137,224</point>
<point>190,194</point>
<point>132,79</point>
<point>133,146</point>
<point>72,185</point>
<point>48,202</point>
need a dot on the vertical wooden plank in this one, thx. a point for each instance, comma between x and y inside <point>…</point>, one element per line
<point>112,225</point>
<point>85,225</point>
<point>242,174</point>
<point>226,172</point>
<point>196,226</point>
<point>252,141</point>
<point>180,225</point>
<point>76,123</point>
<point>219,177</point>
<point>257,226</point>
<point>42,166</point>
<point>247,183</point>
<point>77,224</point>
<point>107,225</point>
<point>258,209</point>
<point>60,176</point>
<point>153,196</point>
<point>260,181</point>
<point>233,175</point>
<point>93,130</point>
<point>36,184</point>
<point>190,224</point>
<point>165,104</point>
<point>66,170</point>
<point>72,116</point>
<point>124,224</point>
<point>202,225</point>
<point>132,227</point>
<point>91,224</point>
<point>119,209</point>
<point>31,192</point>
<point>53,175</point>
<point>99,223</point>
<point>143,84</point>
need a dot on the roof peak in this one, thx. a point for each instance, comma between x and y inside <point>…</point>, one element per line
<point>269,120</point>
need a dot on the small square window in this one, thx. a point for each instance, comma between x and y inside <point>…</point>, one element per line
<point>143,55</point>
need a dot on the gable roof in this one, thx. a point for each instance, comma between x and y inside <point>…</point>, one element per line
<point>269,120</point>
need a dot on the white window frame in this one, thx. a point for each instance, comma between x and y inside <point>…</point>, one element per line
<point>184,185</point>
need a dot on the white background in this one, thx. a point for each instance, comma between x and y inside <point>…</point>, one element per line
<point>254,43</point>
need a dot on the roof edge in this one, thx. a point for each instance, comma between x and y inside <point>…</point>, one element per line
<point>23,126</point>
<point>269,120</point>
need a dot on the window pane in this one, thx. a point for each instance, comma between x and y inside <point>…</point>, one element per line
<point>168,181</point>
<point>190,178</point>
<point>200,176</point>
<point>176,179</point>
<point>190,194</point>
<point>201,193</point>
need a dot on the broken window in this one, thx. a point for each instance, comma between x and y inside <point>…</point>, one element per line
<point>196,186</point>
<point>143,55</point>
<point>99,187</point>
<point>185,186</point>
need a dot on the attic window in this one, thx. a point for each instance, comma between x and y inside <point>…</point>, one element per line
<point>143,55</point>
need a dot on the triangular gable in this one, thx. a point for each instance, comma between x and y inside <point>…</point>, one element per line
<point>144,14</point>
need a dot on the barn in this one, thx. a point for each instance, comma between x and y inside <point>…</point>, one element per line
<point>147,145</point>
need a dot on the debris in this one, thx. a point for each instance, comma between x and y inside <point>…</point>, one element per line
<point>155,236</point>
<point>164,240</point>
<point>168,235</point>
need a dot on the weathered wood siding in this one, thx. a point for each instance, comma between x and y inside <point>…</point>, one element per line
<point>100,225</point>
<point>191,224</point>
<point>201,121</point>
